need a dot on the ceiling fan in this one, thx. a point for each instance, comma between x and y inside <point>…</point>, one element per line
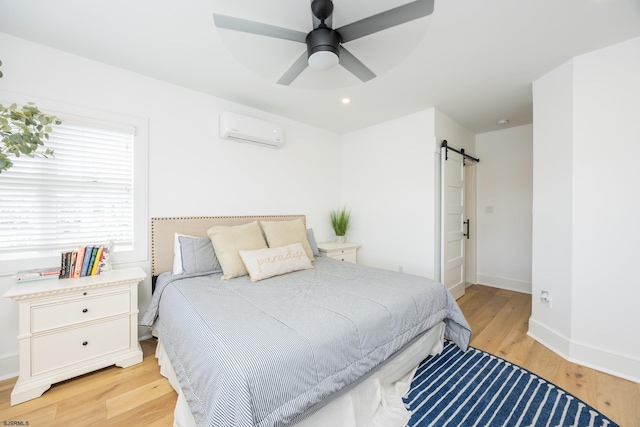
<point>325,44</point>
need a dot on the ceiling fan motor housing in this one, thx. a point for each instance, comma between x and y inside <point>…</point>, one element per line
<point>323,39</point>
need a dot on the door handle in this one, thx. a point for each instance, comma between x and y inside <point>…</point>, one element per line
<point>468,224</point>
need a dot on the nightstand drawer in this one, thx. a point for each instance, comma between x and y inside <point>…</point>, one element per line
<point>344,255</point>
<point>66,313</point>
<point>57,350</point>
<point>347,252</point>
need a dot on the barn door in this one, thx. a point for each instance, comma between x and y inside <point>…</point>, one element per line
<point>454,226</point>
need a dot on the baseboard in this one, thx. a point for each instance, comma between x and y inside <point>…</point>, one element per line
<point>9,366</point>
<point>593,357</point>
<point>504,283</point>
<point>553,340</point>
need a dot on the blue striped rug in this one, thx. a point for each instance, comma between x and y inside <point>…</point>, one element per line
<point>479,389</point>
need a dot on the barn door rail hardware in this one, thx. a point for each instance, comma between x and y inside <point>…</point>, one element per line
<point>465,156</point>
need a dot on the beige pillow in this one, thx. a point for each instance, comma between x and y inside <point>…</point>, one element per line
<point>228,241</point>
<point>265,263</point>
<point>282,233</point>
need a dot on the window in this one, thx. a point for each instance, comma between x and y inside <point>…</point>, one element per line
<point>86,194</point>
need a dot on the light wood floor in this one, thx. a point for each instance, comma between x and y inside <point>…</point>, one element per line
<point>139,396</point>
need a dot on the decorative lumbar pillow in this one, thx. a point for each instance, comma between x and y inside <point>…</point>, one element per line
<point>282,233</point>
<point>228,241</point>
<point>265,263</point>
<point>197,255</point>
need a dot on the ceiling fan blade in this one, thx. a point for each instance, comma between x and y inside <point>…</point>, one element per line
<point>384,20</point>
<point>354,66</point>
<point>294,71</point>
<point>238,24</point>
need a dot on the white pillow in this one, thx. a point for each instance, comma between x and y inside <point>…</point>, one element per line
<point>265,263</point>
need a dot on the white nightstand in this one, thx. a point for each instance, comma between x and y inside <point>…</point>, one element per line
<point>69,327</point>
<point>342,251</point>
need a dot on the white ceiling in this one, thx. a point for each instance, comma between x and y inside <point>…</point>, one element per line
<point>473,60</point>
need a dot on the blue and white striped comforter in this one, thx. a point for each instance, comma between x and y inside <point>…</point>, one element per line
<point>270,353</point>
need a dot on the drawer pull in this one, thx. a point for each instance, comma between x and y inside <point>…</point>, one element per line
<point>84,310</point>
<point>85,343</point>
<point>84,293</point>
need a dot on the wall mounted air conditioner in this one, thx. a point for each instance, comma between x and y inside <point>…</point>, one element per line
<point>247,129</point>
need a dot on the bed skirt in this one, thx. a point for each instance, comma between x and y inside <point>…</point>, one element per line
<point>376,401</point>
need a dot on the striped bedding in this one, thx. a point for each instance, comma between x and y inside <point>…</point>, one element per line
<point>270,353</point>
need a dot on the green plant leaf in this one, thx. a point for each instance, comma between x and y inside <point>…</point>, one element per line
<point>5,163</point>
<point>23,131</point>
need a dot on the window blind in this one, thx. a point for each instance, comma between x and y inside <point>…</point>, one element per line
<point>84,195</point>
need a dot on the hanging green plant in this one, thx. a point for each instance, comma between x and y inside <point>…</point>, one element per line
<point>23,132</point>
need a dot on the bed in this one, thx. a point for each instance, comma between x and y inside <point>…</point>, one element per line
<point>324,343</point>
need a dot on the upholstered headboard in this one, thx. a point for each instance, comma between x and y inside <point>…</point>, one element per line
<point>163,231</point>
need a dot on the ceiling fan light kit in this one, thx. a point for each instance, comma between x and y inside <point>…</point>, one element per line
<point>325,45</point>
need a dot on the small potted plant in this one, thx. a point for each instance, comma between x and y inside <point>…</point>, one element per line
<point>340,220</point>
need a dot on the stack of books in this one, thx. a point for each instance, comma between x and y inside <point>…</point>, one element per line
<point>82,262</point>
<point>38,274</point>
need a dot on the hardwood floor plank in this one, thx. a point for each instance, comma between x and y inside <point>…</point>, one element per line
<point>495,332</point>
<point>619,397</point>
<point>141,395</point>
<point>156,412</point>
<point>579,381</point>
<point>516,345</point>
<point>40,415</point>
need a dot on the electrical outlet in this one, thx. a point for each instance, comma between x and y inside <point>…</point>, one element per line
<point>545,297</point>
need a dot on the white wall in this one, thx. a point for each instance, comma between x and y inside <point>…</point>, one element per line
<point>191,171</point>
<point>456,135</point>
<point>586,225</point>
<point>388,183</point>
<point>504,202</point>
<point>552,202</point>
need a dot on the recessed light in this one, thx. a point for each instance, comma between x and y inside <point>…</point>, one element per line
<point>346,100</point>
<point>503,121</point>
